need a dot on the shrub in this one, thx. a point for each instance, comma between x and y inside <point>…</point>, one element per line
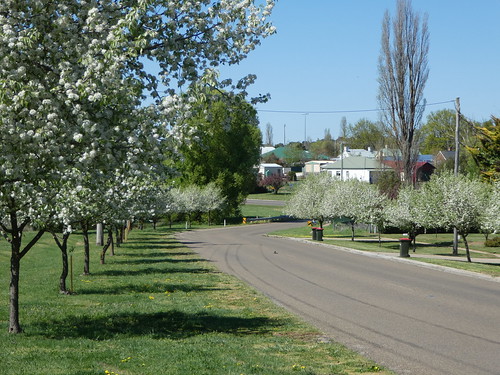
<point>492,242</point>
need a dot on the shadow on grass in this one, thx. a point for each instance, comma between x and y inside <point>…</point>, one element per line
<point>150,270</point>
<point>156,261</point>
<point>154,255</point>
<point>170,324</point>
<point>146,288</point>
<point>147,246</point>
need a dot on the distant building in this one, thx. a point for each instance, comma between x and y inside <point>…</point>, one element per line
<point>268,169</point>
<point>356,167</point>
<point>314,166</point>
<point>443,157</point>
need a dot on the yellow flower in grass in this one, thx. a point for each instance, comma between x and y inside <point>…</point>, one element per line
<point>151,297</point>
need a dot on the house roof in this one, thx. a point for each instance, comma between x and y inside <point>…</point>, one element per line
<point>320,162</point>
<point>270,165</point>
<point>447,154</point>
<point>355,162</point>
<point>266,149</point>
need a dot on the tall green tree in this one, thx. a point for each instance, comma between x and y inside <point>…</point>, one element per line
<point>225,149</point>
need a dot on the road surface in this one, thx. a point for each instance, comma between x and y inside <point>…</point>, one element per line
<point>412,319</point>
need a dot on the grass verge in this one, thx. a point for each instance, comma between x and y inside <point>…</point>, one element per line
<point>427,244</point>
<point>155,308</point>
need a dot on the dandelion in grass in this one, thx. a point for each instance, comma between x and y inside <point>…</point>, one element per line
<point>126,359</point>
<point>151,297</point>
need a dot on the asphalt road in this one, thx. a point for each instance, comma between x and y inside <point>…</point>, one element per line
<point>412,319</point>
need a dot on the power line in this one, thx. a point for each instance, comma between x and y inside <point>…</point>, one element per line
<point>341,111</point>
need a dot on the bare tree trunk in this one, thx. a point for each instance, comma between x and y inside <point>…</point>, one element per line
<point>105,248</point>
<point>15,267</point>
<point>117,236</point>
<point>17,254</point>
<point>86,249</point>
<point>63,246</point>
<point>467,251</point>
<point>110,233</point>
<point>352,230</point>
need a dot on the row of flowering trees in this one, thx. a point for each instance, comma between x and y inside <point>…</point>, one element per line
<point>76,139</point>
<point>447,201</point>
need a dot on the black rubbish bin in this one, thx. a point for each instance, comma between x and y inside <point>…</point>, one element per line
<point>319,234</point>
<point>404,247</point>
<point>314,233</point>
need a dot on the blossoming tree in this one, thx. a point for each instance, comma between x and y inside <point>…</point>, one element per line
<point>71,84</point>
<point>308,201</point>
<point>459,202</point>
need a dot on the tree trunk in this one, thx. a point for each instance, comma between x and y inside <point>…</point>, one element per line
<point>352,230</point>
<point>117,235</point>
<point>110,233</point>
<point>86,251</point>
<point>63,246</point>
<point>109,243</point>
<point>64,273</point>
<point>464,236</point>
<point>15,264</point>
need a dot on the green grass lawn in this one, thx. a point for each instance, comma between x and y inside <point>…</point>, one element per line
<point>250,210</point>
<point>431,244</point>
<point>154,308</point>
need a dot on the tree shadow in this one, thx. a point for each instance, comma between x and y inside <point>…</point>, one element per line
<point>151,270</point>
<point>152,247</point>
<point>146,288</point>
<point>155,254</point>
<point>155,261</point>
<point>169,324</point>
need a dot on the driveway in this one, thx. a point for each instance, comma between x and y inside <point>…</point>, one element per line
<point>409,317</point>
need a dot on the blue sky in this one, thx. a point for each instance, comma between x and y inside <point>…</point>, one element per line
<point>324,58</point>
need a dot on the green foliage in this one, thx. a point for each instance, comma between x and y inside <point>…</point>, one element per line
<point>225,150</point>
<point>438,133</point>
<point>388,183</point>
<point>327,147</point>
<point>366,133</point>
<point>294,154</point>
<point>492,242</point>
<point>487,154</point>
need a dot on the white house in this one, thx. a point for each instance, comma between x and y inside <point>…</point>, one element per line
<point>268,169</point>
<point>314,166</point>
<point>359,167</point>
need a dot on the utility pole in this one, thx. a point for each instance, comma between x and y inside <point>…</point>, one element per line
<point>455,169</point>
<point>305,130</point>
